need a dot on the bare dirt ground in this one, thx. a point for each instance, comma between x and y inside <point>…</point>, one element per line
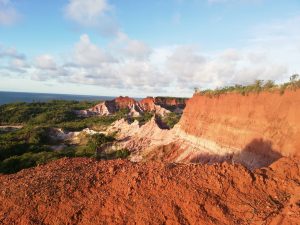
<point>86,191</point>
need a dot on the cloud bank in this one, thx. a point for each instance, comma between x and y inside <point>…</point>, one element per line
<point>153,69</point>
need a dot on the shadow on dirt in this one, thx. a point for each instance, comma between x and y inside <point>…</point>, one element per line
<point>258,153</point>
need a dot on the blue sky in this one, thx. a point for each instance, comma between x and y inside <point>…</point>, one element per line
<point>140,48</point>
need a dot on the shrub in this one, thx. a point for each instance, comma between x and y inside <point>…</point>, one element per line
<point>171,119</point>
<point>269,84</point>
<point>16,163</point>
<point>143,119</point>
<point>97,140</point>
<point>119,154</point>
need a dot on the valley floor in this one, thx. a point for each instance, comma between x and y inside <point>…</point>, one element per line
<point>87,191</point>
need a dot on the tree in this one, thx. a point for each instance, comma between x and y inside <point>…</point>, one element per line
<point>294,78</point>
<point>97,140</point>
<point>269,84</point>
<point>196,90</point>
<point>258,85</point>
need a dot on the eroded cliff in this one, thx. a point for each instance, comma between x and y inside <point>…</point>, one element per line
<point>260,123</point>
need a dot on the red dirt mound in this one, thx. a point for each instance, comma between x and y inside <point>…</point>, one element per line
<point>85,191</point>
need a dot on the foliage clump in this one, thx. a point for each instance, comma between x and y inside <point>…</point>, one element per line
<point>144,118</point>
<point>117,154</point>
<point>171,119</point>
<point>96,140</point>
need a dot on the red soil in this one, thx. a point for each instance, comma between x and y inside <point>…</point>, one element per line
<point>84,191</point>
<point>238,122</point>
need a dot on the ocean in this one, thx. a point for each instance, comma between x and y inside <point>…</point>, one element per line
<point>11,97</point>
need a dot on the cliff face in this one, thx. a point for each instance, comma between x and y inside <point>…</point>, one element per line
<point>124,102</point>
<point>264,123</point>
<point>148,103</point>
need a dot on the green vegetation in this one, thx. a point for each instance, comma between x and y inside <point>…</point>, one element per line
<point>54,114</point>
<point>35,142</point>
<point>15,163</point>
<point>171,119</point>
<point>165,98</point>
<point>26,154</point>
<point>118,154</point>
<point>143,119</point>
<point>96,140</point>
<point>28,139</point>
<point>33,145</point>
<point>38,113</point>
<point>256,87</point>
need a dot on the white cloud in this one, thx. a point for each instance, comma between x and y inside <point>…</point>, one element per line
<point>86,12</point>
<point>231,55</point>
<point>45,62</point>
<point>10,53</point>
<point>91,64</point>
<point>8,14</point>
<point>88,54</point>
<point>97,14</point>
<point>12,61</point>
<point>130,48</point>
<point>279,41</point>
<point>137,49</point>
<point>19,64</point>
<point>227,67</point>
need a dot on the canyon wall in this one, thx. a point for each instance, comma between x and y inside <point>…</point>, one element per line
<point>259,123</point>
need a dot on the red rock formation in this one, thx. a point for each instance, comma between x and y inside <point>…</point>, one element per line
<point>148,104</point>
<point>257,123</point>
<point>159,105</point>
<point>124,102</point>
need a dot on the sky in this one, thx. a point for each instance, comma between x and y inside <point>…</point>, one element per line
<point>145,48</point>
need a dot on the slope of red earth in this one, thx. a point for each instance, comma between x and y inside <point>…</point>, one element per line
<point>86,191</point>
<point>259,122</point>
